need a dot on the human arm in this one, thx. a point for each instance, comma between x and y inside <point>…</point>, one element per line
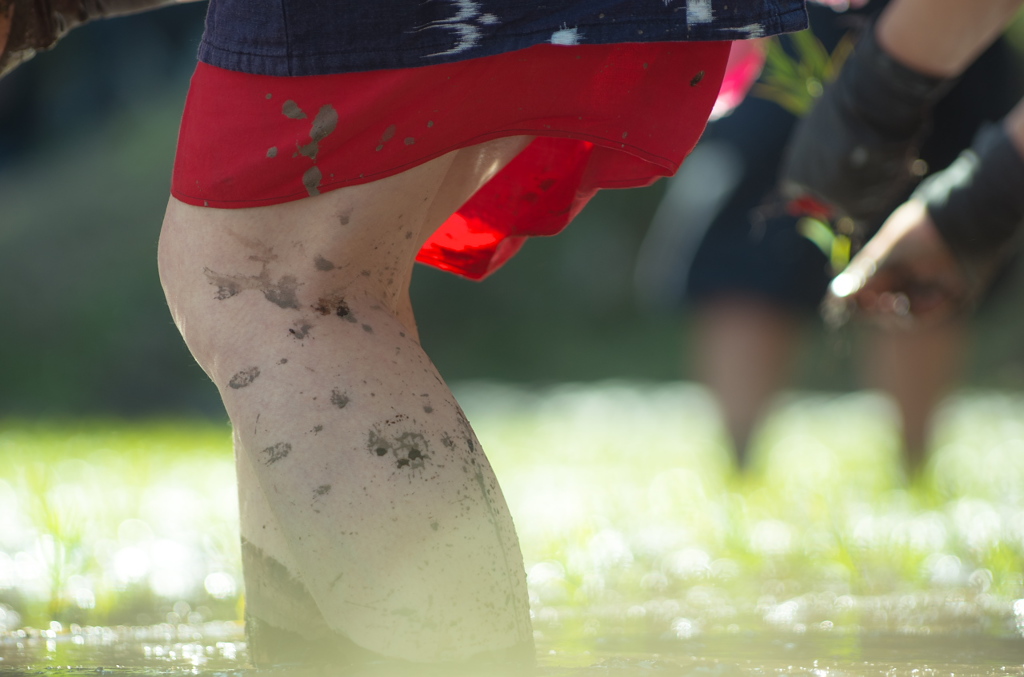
<point>854,152</point>
<point>942,38</point>
<point>937,252</point>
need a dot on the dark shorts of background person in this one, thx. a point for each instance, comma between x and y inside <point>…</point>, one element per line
<point>752,247</point>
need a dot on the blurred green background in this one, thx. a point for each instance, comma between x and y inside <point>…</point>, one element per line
<point>655,544</point>
<point>87,135</point>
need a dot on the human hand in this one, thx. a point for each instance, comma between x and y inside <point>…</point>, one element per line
<point>906,275</point>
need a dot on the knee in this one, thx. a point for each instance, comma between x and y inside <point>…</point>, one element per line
<point>239,290</point>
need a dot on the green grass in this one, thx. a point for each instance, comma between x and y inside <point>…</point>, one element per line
<point>109,522</point>
<point>632,520</point>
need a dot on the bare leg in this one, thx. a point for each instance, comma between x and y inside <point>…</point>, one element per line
<point>745,349</point>
<point>371,519</point>
<point>917,369</point>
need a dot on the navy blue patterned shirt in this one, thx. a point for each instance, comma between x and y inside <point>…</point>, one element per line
<point>318,37</point>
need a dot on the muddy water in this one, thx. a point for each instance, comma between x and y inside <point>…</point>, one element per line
<point>218,649</point>
<point>646,556</point>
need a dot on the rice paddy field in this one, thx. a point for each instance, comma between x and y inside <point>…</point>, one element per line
<point>646,553</point>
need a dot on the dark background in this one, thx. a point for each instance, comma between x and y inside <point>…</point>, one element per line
<point>87,136</point>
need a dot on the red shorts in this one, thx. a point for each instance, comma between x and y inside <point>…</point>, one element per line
<point>606,116</point>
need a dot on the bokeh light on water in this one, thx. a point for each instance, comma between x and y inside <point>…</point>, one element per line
<point>642,546</point>
<point>114,524</point>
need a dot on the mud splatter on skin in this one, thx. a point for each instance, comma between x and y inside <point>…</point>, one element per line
<point>260,252</point>
<point>368,329</point>
<point>273,580</point>
<point>300,330</point>
<point>244,377</point>
<point>333,305</point>
<point>377,444</point>
<point>339,399</point>
<point>290,109</point>
<point>323,264</point>
<point>227,286</point>
<point>345,217</point>
<point>317,429</point>
<point>409,450</point>
<point>276,452</point>
<point>281,293</point>
<point>283,360</point>
<point>322,490</point>
<point>495,514</point>
<point>415,458</point>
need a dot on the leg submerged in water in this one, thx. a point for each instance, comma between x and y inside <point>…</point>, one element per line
<point>370,516</point>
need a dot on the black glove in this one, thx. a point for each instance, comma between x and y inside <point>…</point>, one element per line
<point>856,148</point>
<point>977,203</point>
<point>37,25</point>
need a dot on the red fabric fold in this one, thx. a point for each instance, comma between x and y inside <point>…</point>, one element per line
<point>606,116</point>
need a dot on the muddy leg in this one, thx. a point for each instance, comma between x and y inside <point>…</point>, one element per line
<point>370,515</point>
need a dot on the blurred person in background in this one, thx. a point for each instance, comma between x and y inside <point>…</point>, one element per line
<point>938,252</point>
<point>724,242</point>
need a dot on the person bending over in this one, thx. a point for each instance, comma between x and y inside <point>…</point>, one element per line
<point>939,250</point>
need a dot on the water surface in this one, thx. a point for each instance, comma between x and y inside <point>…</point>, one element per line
<point>646,553</point>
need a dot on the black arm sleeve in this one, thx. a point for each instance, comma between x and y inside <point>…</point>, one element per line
<point>855,149</point>
<point>977,203</point>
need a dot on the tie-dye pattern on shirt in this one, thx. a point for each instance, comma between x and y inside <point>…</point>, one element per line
<point>306,37</point>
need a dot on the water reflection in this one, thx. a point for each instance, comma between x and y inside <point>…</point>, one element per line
<point>217,649</point>
<point>644,553</point>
